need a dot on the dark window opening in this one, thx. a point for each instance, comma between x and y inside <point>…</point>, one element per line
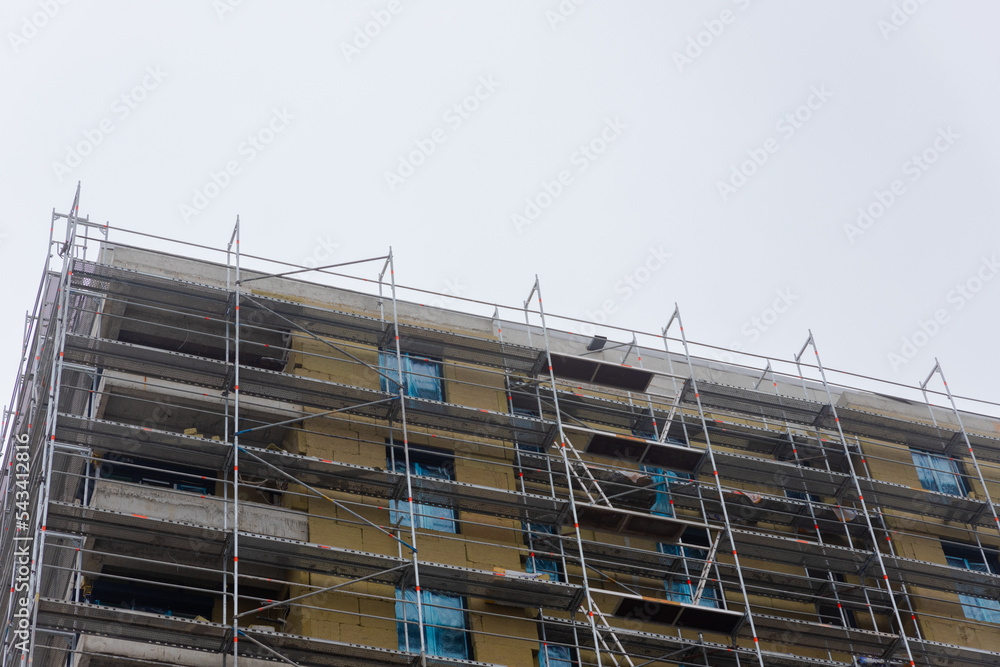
<point>980,560</point>
<point>271,354</point>
<point>530,458</point>
<point>425,463</point>
<point>165,475</point>
<point>802,495</point>
<point>154,599</point>
<point>827,608</point>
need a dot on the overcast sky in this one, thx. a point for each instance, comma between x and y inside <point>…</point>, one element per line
<point>772,166</point>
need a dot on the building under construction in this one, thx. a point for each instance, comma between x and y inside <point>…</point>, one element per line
<point>227,463</point>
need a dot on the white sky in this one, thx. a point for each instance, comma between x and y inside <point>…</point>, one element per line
<point>162,95</point>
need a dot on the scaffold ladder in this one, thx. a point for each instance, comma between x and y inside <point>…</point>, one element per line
<point>715,472</point>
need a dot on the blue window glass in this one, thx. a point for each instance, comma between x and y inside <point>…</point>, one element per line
<point>421,376</point>
<point>972,558</point>
<point>554,656</point>
<point>427,516</point>
<point>938,473</point>
<point>444,623</point>
<point>801,495</point>
<point>535,563</point>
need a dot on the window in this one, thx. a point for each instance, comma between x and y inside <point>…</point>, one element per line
<point>421,376</point>
<point>681,587</point>
<point>939,473</point>
<point>554,656</point>
<point>679,590</point>
<point>528,456</point>
<point>425,464</point>
<point>549,566</point>
<point>661,485</point>
<point>801,495</point>
<point>164,600</point>
<point>826,607</point>
<point>157,473</point>
<point>444,623</point>
<point>974,558</point>
<point>545,566</point>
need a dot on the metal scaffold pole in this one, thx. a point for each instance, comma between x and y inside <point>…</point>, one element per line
<point>401,389</point>
<point>591,606</point>
<point>225,437</point>
<point>136,405</point>
<point>965,435</point>
<point>861,497</point>
<point>236,448</point>
<point>55,384</point>
<point>29,390</point>
<point>715,474</point>
<point>841,609</point>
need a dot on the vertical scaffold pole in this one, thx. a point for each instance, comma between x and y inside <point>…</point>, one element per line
<point>55,385</point>
<point>769,370</point>
<point>536,289</point>
<point>32,341</point>
<point>406,457</point>
<point>861,498</point>
<point>965,435</point>
<point>236,448</point>
<point>225,433</point>
<point>715,474</point>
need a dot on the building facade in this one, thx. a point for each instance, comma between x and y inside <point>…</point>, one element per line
<point>208,465</point>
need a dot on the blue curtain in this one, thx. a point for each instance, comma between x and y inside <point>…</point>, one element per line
<point>661,485</point>
<point>427,516</point>
<point>421,377</point>
<point>554,656</point>
<point>439,609</point>
<point>938,473</point>
<point>679,590</point>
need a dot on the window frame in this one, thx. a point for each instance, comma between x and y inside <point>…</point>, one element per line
<point>803,496</point>
<point>546,660</point>
<point>156,474</point>
<point>149,597</point>
<point>387,366</point>
<point>428,517</point>
<point>431,630</point>
<point>554,566</point>
<point>933,478</point>
<point>826,608</point>
<point>975,607</point>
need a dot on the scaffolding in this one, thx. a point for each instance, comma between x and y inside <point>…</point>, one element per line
<point>674,511</point>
